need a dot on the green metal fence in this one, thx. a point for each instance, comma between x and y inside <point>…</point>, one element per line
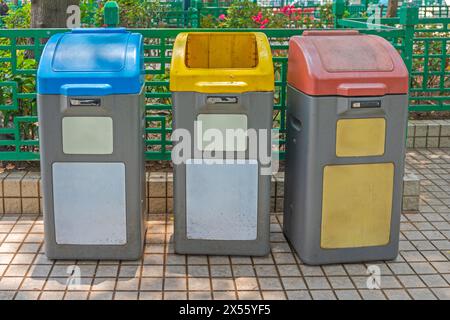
<point>426,52</point>
<point>18,139</point>
<point>434,11</point>
<point>425,11</point>
<point>430,73</point>
<point>20,51</point>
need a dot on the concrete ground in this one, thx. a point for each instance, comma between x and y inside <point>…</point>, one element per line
<point>421,271</point>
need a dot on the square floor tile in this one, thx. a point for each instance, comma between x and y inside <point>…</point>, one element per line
<point>298,295</point>
<point>270,284</point>
<point>347,295</point>
<point>175,284</point>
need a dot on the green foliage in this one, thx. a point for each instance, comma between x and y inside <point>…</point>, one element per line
<point>89,10</point>
<point>158,13</point>
<point>326,15</point>
<point>435,65</point>
<point>19,18</point>
<point>209,21</point>
<point>136,13</point>
<point>25,83</point>
<point>248,14</point>
<point>239,15</point>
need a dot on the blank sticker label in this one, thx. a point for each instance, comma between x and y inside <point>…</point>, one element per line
<point>87,135</point>
<point>208,125</point>
<point>222,200</point>
<point>89,203</point>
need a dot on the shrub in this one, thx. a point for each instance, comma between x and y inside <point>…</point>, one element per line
<point>19,18</point>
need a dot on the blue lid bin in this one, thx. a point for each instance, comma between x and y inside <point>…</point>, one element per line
<point>91,112</point>
<point>92,62</point>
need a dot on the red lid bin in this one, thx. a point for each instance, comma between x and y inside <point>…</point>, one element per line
<point>345,63</point>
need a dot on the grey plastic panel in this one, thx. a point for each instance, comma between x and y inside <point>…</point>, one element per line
<point>89,203</point>
<point>128,114</point>
<point>311,145</point>
<point>257,108</point>
<point>222,200</point>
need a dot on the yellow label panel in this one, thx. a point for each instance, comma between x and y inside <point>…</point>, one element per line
<point>360,137</point>
<point>357,205</point>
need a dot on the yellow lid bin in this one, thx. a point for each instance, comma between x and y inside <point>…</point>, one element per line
<point>228,62</point>
<point>222,84</point>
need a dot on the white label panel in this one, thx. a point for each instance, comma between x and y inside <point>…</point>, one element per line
<point>220,123</point>
<point>89,203</point>
<point>222,200</point>
<point>87,135</point>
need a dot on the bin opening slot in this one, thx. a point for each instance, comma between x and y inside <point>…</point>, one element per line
<point>221,51</point>
<point>222,100</point>
<point>85,102</point>
<point>366,104</point>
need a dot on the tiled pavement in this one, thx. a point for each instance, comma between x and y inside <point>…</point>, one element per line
<point>421,271</point>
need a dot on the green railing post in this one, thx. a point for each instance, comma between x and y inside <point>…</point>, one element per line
<point>338,11</point>
<point>409,17</point>
<point>366,4</point>
<point>193,18</point>
<point>198,6</point>
<point>111,14</point>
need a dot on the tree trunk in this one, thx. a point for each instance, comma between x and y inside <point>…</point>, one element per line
<point>392,9</point>
<point>50,13</point>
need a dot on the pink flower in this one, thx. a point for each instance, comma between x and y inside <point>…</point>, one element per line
<point>287,10</point>
<point>262,26</point>
<point>222,17</point>
<point>258,17</point>
<point>260,20</point>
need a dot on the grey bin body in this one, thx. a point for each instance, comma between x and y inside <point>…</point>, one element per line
<point>222,209</point>
<point>92,147</point>
<point>106,228</point>
<point>311,139</point>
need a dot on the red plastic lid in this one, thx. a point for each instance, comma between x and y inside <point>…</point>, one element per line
<point>345,63</point>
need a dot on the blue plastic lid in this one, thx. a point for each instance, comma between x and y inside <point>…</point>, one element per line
<point>92,62</point>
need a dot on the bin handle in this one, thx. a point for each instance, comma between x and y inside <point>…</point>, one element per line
<point>85,89</point>
<point>296,123</point>
<point>362,89</point>
<point>222,84</point>
<point>330,33</point>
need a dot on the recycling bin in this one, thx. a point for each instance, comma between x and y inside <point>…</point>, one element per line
<point>91,130</point>
<point>221,83</point>
<point>346,128</point>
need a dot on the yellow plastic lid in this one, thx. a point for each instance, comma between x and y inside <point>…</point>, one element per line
<point>225,62</point>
